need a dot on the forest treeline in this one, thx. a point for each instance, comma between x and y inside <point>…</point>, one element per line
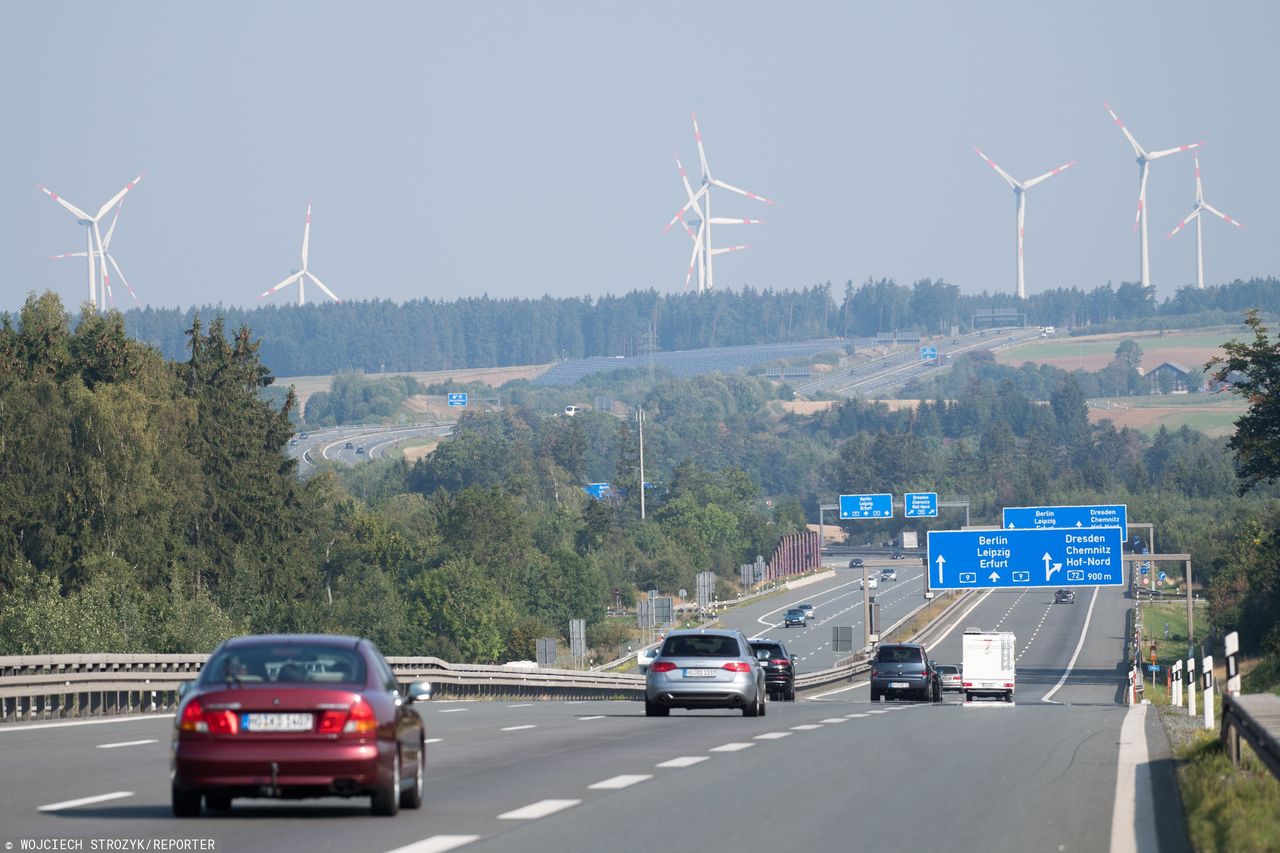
<point>424,334</point>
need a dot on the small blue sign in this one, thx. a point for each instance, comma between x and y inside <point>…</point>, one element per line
<point>1145,567</point>
<point>1027,517</point>
<point>598,490</point>
<point>866,506</point>
<point>928,353</point>
<point>458,398</point>
<point>1162,576</point>
<point>920,504</point>
<point>986,559</point>
<point>1153,667</point>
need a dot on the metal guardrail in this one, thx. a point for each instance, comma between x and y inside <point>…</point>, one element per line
<point>1256,718</point>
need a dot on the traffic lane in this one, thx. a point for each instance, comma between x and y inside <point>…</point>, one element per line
<point>910,777</point>
<point>1100,673</point>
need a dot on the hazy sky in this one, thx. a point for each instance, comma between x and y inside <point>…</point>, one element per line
<point>522,148</point>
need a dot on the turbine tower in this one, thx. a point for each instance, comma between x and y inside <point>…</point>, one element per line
<point>1020,196</point>
<point>1144,166</point>
<point>1201,206</point>
<point>303,274</point>
<point>700,202</point>
<point>699,257</point>
<point>106,251</point>
<point>93,241</point>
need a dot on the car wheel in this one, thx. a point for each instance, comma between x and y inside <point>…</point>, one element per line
<point>412,798</point>
<point>764,705</point>
<point>791,694</point>
<point>752,709</point>
<point>968,697</point>
<point>653,709</point>
<point>385,801</point>
<point>185,803</point>
<point>937,692</point>
<point>217,802</point>
<point>875,696</point>
<point>1008,697</point>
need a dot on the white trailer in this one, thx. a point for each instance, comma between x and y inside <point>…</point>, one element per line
<point>988,664</point>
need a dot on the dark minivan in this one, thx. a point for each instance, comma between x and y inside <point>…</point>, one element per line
<point>903,670</point>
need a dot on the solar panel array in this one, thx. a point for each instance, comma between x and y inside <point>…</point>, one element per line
<point>686,363</point>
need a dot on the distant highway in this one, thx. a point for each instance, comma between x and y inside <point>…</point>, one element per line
<point>330,444</point>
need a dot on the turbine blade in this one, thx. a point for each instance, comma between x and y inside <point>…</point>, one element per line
<point>1199,188</point>
<point>288,281</point>
<point>106,241</point>
<point>702,155</point>
<point>721,220</point>
<point>722,185</point>
<point>992,163</point>
<point>1223,216</point>
<point>1049,174</point>
<point>123,280</point>
<point>693,202</point>
<point>75,211</point>
<point>693,259</point>
<point>1156,155</point>
<point>1142,199</point>
<point>69,255</point>
<point>118,196</point>
<point>1190,216</point>
<point>311,276</point>
<point>1137,149</point>
<point>306,236</point>
<point>684,177</point>
<point>729,249</point>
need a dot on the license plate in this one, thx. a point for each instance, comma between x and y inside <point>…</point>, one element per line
<point>898,685</point>
<point>276,722</point>
<point>699,673</point>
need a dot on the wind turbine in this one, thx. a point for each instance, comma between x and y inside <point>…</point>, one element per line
<point>1020,195</point>
<point>1201,206</point>
<point>701,202</point>
<point>699,257</point>
<point>93,244</point>
<point>303,274</point>
<point>106,251</point>
<point>1144,166</point>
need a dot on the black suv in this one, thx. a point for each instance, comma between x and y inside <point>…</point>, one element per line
<point>902,670</point>
<point>779,668</point>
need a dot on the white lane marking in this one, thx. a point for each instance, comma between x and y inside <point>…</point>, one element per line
<point>434,740</point>
<point>518,728</point>
<point>881,711</point>
<point>522,705</point>
<point>842,689</point>
<point>989,704</point>
<point>20,727</point>
<point>436,844</point>
<point>731,747</point>
<point>542,808</point>
<point>452,710</point>
<point>854,716</point>
<point>1133,819</point>
<point>684,761</point>
<point>593,717</point>
<point>84,801</point>
<point>126,743</point>
<point>832,720</point>
<point>806,727</point>
<point>960,619</point>
<point>626,780</point>
<point>1048,697</point>
<point>772,735</point>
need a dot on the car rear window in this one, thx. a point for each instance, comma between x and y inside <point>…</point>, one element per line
<point>899,654</point>
<point>773,650</point>
<point>702,646</point>
<point>948,669</point>
<point>285,663</point>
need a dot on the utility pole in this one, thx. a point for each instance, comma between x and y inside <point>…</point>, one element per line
<point>640,420</point>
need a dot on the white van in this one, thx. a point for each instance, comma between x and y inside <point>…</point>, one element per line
<point>572,410</point>
<point>988,664</point>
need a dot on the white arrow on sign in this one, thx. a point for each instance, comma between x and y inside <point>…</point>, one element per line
<point>1079,524</point>
<point>941,562</point>
<point>995,576</point>
<point>1050,567</point>
<point>1011,525</point>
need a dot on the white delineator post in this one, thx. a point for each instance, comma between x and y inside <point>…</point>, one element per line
<point>1208,691</point>
<point>1176,693</point>
<point>1233,669</point>
<point>1191,687</point>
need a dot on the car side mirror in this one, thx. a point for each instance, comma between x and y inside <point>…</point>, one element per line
<point>419,691</point>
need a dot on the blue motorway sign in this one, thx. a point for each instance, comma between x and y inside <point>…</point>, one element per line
<point>920,504</point>
<point>458,398</point>
<point>598,490</point>
<point>866,506</point>
<point>985,559</point>
<point>928,353</point>
<point>1026,517</point>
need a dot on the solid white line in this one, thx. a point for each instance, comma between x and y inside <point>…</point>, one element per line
<point>1048,697</point>
<point>20,727</point>
<point>1132,818</point>
<point>626,780</point>
<point>807,727</point>
<point>84,801</point>
<point>125,743</point>
<point>522,705</point>
<point>684,761</point>
<point>842,689</point>
<point>436,844</point>
<point>518,728</point>
<point>731,747</point>
<point>961,618</point>
<point>452,710</point>
<point>772,735</point>
<point>542,808</point>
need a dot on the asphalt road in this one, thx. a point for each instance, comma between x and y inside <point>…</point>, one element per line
<point>330,445</point>
<point>828,773</point>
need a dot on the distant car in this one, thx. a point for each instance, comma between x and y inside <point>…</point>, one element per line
<point>855,563</point>
<point>1064,596</point>
<point>360,449</point>
<point>779,668</point>
<point>293,442</point>
<point>898,555</point>
<point>871,582</point>
<point>297,715</point>
<point>349,445</point>
<point>572,410</point>
<point>807,608</point>
<point>705,669</point>
<point>903,670</point>
<point>303,435</point>
<point>949,674</point>
<point>889,574</point>
<point>794,616</point>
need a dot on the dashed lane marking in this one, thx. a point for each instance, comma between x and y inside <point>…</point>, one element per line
<point>542,808</point>
<point>806,727</point>
<point>518,728</point>
<point>626,780</point>
<point>592,717</point>
<point>772,735</point>
<point>452,710</point>
<point>731,747</point>
<point>684,761</point>
<point>126,743</point>
<point>436,844</point>
<point>434,740</point>
<point>84,801</point>
<point>832,720</point>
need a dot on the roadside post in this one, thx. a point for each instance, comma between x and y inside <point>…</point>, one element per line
<point>1191,687</point>
<point>1208,691</point>
<point>1177,684</point>
<point>1232,642</point>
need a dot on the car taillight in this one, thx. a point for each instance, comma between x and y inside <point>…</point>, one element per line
<point>661,666</point>
<point>222,722</point>
<point>738,666</point>
<point>360,720</point>
<point>968,684</point>
<point>1008,684</point>
<point>780,662</point>
<point>196,719</point>
<point>193,718</point>
<point>874,672</point>
<point>331,722</point>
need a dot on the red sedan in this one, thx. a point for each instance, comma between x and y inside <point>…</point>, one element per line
<point>293,716</point>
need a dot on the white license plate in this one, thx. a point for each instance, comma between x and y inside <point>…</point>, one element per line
<point>276,722</point>
<point>898,685</point>
<point>699,673</point>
